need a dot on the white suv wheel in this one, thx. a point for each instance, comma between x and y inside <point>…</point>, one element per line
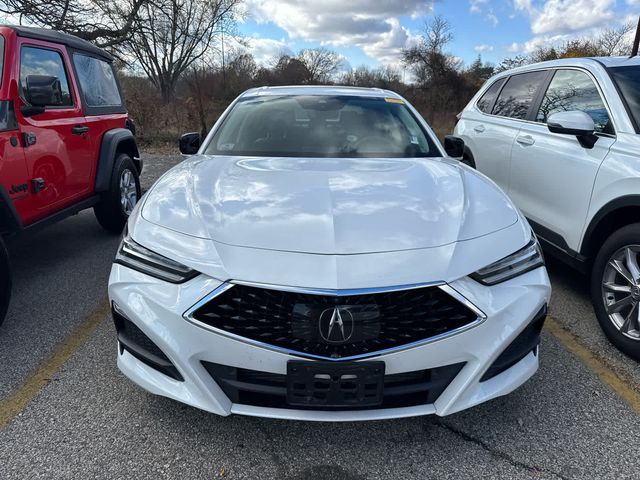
<point>621,291</point>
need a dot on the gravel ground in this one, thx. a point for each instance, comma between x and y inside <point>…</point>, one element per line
<point>91,422</point>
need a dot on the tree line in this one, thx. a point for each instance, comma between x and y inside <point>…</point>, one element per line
<point>177,75</point>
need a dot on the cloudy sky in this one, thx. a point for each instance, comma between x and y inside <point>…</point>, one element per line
<point>373,31</point>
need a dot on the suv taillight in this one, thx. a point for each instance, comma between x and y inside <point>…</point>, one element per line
<point>129,125</point>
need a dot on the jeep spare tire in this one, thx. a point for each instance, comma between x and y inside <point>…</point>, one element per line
<point>5,281</point>
<point>124,192</point>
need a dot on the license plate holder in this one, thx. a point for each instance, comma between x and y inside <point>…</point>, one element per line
<point>335,385</point>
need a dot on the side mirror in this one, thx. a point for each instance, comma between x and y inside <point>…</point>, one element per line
<point>454,146</point>
<point>190,143</point>
<point>576,123</point>
<point>41,91</point>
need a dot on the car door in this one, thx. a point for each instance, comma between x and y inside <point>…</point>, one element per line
<point>56,147</point>
<point>494,130</point>
<point>102,101</point>
<point>552,175</point>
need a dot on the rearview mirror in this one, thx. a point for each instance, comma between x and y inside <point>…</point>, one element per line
<point>574,122</point>
<point>454,146</point>
<point>190,143</point>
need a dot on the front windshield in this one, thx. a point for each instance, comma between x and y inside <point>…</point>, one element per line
<point>321,126</point>
<point>628,81</point>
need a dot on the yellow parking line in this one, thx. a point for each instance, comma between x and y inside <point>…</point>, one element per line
<point>606,374</point>
<point>11,406</point>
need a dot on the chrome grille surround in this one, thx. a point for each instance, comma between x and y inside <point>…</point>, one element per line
<point>189,315</point>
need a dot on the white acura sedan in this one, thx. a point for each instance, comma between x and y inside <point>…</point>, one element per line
<point>321,258</point>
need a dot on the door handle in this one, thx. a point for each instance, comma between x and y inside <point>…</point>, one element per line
<point>79,129</point>
<point>479,128</point>
<point>525,140</point>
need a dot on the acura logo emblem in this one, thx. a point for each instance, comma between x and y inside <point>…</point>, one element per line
<point>336,325</point>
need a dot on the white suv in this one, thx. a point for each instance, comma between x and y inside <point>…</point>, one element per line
<point>562,139</point>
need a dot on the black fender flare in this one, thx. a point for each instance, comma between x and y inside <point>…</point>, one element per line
<point>114,141</point>
<point>9,219</point>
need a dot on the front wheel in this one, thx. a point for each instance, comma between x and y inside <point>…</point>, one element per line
<point>5,281</point>
<point>124,192</point>
<point>615,289</point>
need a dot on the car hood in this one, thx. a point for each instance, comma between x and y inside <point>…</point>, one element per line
<point>327,206</point>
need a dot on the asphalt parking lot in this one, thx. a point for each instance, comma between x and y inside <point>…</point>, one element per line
<point>67,412</point>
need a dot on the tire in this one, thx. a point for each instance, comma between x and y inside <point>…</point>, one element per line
<point>124,192</point>
<point>5,281</point>
<point>618,310</point>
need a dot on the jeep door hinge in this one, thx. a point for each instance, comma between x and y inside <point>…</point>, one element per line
<point>37,185</point>
<point>28,139</point>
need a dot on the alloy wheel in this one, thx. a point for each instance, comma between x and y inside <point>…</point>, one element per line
<point>621,291</point>
<point>128,191</point>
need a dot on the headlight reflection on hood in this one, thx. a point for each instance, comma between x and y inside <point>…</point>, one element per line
<point>135,256</point>
<point>518,263</point>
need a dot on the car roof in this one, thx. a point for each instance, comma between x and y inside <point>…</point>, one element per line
<point>585,62</point>
<point>618,61</point>
<point>54,36</point>
<point>321,90</point>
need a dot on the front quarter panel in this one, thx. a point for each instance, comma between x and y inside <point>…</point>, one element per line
<point>618,176</point>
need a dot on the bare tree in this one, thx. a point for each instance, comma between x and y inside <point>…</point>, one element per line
<point>615,41</point>
<point>287,70</point>
<point>196,80</point>
<point>512,62</point>
<point>172,35</point>
<point>104,22</point>
<point>438,34</point>
<point>381,77</point>
<point>427,58</point>
<point>241,72</point>
<point>611,41</point>
<point>322,64</point>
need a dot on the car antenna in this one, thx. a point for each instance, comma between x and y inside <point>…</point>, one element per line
<point>636,42</point>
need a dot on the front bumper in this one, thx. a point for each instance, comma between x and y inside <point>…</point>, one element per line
<point>157,309</point>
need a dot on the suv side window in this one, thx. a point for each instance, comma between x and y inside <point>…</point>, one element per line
<point>487,100</point>
<point>97,81</point>
<point>574,90</point>
<point>517,95</point>
<point>41,61</point>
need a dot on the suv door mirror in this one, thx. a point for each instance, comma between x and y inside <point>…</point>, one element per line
<point>576,123</point>
<point>190,143</point>
<point>454,146</point>
<point>43,91</point>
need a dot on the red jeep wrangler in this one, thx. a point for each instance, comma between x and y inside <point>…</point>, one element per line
<point>66,143</point>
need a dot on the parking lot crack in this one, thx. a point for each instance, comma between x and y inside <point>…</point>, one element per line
<point>497,453</point>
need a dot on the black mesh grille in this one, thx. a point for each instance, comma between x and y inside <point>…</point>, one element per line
<point>262,389</point>
<point>335,326</point>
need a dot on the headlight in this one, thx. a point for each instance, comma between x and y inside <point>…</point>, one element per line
<point>135,256</point>
<point>523,261</point>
